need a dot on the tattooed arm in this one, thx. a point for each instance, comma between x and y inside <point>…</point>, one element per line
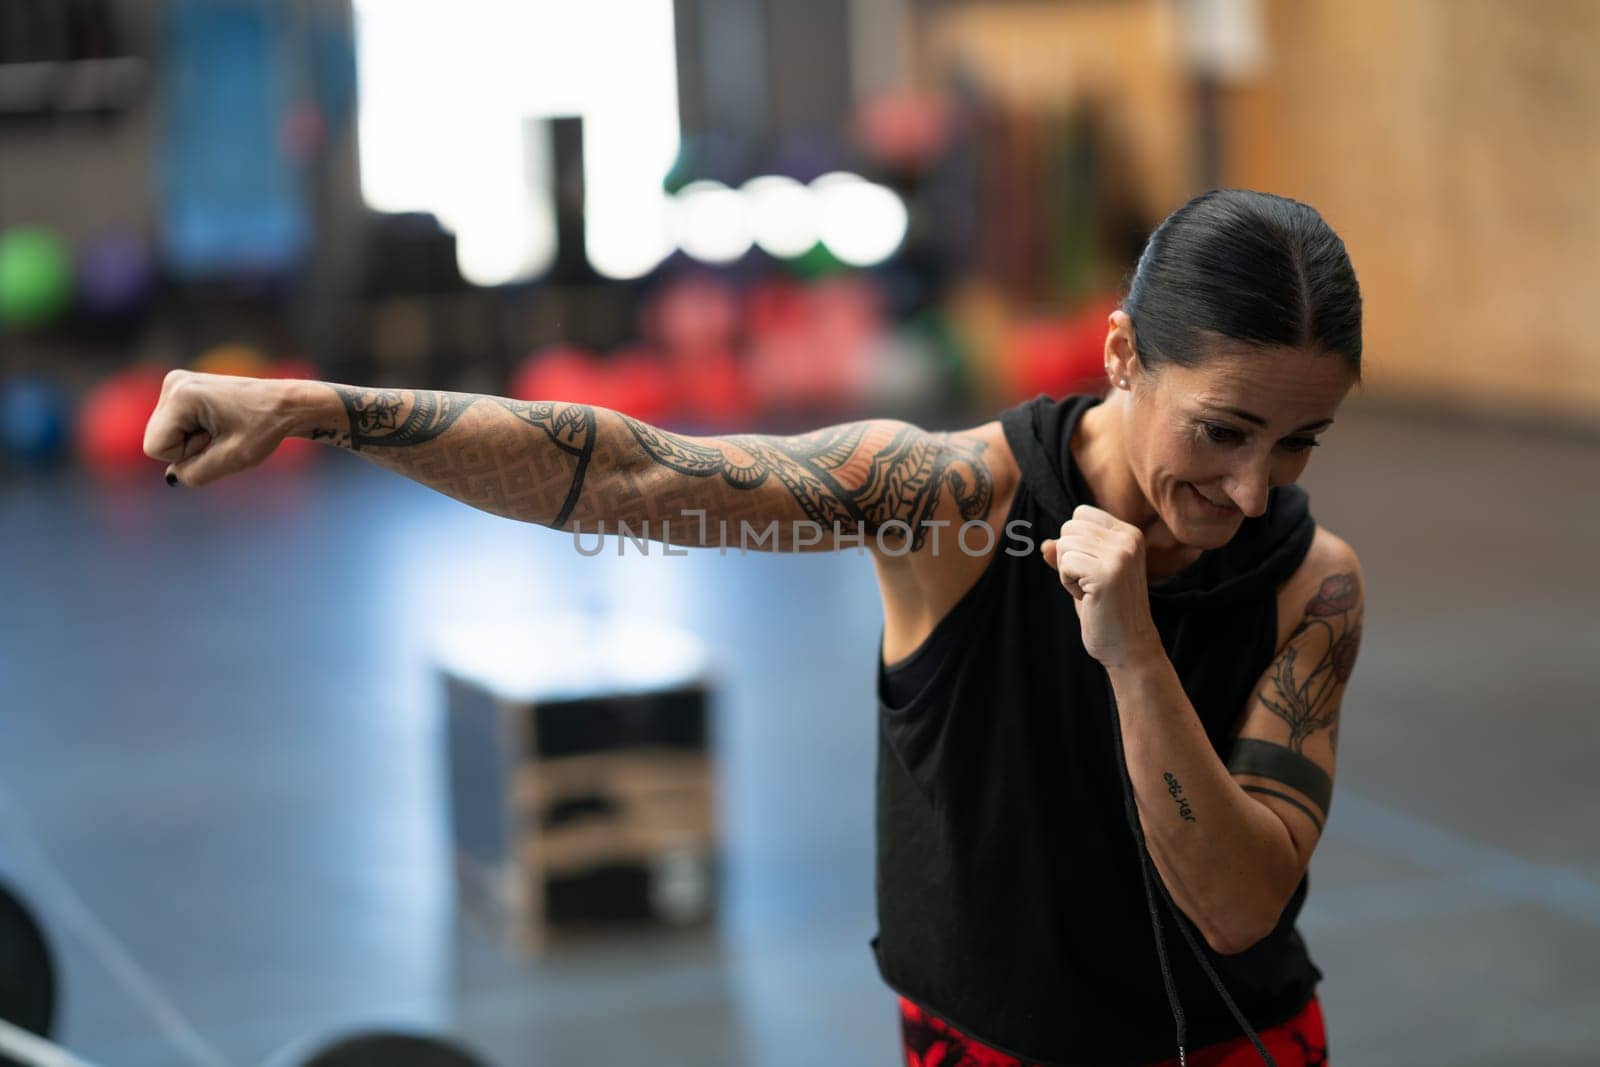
<point>1231,840</point>
<point>576,467</point>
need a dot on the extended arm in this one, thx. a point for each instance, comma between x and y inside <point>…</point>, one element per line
<point>1231,841</point>
<point>576,467</point>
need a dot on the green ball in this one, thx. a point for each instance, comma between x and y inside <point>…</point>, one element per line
<point>817,263</point>
<point>35,277</point>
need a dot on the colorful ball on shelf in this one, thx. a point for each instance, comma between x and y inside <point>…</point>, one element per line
<point>116,275</point>
<point>809,344</point>
<point>293,367</point>
<point>773,306</point>
<point>34,420</point>
<point>35,277</point>
<point>240,361</point>
<point>714,391</point>
<point>905,129</point>
<point>819,262</point>
<point>644,386</point>
<point>697,314</point>
<point>560,372</point>
<point>1058,355</point>
<point>112,421</point>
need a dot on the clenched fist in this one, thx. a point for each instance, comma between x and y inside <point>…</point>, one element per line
<point>1100,561</point>
<point>208,426</point>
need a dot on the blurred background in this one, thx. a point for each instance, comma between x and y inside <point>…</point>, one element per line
<point>245,734</point>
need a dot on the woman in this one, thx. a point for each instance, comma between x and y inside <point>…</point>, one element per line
<point>1114,641</point>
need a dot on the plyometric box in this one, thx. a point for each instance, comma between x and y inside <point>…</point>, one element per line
<point>581,779</point>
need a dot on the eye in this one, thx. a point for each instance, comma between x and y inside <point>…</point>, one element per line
<point>1222,435</point>
<point>1227,435</point>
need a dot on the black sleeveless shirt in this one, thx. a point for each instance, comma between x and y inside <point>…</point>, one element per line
<point>1010,900</point>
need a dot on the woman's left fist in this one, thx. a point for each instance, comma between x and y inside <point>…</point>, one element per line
<point>1100,561</point>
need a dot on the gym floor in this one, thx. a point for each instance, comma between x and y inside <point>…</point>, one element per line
<point>221,775</point>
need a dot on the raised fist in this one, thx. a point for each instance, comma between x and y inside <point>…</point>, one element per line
<point>208,426</point>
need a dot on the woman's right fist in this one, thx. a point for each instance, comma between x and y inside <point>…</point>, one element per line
<point>208,426</point>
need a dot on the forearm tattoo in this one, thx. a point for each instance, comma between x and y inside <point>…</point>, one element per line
<point>864,475</point>
<point>375,415</point>
<point>1175,789</point>
<point>1305,695</point>
<point>491,468</point>
<point>571,427</point>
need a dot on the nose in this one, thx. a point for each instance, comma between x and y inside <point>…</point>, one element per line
<point>1247,488</point>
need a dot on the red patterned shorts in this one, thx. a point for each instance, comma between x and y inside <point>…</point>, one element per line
<point>1300,1042</point>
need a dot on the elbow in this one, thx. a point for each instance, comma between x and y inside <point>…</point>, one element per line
<point>1230,939</point>
<point>1243,926</point>
<point>1253,910</point>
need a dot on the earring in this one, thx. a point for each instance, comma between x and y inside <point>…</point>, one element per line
<point>1122,382</point>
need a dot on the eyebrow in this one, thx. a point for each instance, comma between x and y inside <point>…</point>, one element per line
<point>1259,421</point>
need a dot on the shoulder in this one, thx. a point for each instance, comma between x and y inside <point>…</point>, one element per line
<point>1329,556</point>
<point>953,475</point>
<point>972,477</point>
<point>987,444</point>
<point>1328,582</point>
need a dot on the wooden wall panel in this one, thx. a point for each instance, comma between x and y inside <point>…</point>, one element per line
<point>1455,144</point>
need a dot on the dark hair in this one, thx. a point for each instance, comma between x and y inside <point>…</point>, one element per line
<point>1248,267</point>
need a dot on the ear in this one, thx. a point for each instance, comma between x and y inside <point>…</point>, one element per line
<point>1121,356</point>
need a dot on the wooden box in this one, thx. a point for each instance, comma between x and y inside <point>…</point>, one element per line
<point>582,788</point>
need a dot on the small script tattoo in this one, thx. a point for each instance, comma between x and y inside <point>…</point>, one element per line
<point>1175,788</point>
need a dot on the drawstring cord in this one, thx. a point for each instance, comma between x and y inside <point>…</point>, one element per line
<point>1152,883</point>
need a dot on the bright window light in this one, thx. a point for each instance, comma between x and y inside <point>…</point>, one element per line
<point>514,242</point>
<point>446,92</point>
<point>713,222</point>
<point>628,235</point>
<point>783,214</point>
<point>862,223</point>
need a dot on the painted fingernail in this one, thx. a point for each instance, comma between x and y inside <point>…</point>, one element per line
<point>172,479</point>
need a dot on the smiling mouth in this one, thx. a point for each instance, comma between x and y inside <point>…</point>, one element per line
<point>1210,505</point>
